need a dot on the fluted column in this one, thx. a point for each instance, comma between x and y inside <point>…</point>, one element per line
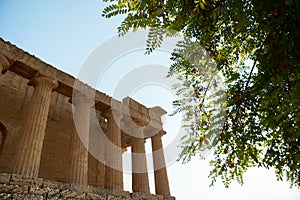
<point>140,181</point>
<point>113,152</point>
<point>160,171</point>
<point>4,64</point>
<point>28,154</point>
<point>78,169</point>
<point>101,174</point>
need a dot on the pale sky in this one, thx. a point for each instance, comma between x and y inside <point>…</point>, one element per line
<point>64,33</point>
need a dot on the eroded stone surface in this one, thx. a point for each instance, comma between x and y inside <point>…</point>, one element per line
<point>26,188</point>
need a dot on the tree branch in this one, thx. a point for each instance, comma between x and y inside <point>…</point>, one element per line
<point>249,77</point>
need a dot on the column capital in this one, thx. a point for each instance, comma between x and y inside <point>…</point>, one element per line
<point>4,64</point>
<point>159,134</point>
<point>124,150</point>
<point>136,134</point>
<point>43,80</point>
<point>80,98</point>
<point>133,141</point>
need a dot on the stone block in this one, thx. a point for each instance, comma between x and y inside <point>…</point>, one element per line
<point>33,189</point>
<point>4,188</point>
<point>28,189</point>
<point>22,189</point>
<point>53,192</point>
<point>95,196</point>
<point>67,194</point>
<point>23,180</point>
<point>112,197</point>
<point>83,188</point>
<point>27,197</point>
<point>169,198</point>
<point>5,178</point>
<point>118,193</point>
<point>145,196</point>
<point>6,196</point>
<point>56,185</point>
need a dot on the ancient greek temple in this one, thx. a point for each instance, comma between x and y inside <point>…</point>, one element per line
<point>55,136</point>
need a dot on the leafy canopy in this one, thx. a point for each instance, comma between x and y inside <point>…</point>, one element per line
<point>259,124</point>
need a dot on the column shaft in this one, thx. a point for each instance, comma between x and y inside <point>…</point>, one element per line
<point>101,175</point>
<point>78,170</point>
<point>113,152</point>
<point>28,154</point>
<point>140,181</point>
<point>160,171</point>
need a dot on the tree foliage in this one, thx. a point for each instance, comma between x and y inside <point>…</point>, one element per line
<point>260,121</point>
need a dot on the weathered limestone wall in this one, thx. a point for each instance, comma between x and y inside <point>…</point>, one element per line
<point>15,95</point>
<point>19,188</point>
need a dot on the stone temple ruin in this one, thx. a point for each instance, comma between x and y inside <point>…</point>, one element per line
<point>60,142</point>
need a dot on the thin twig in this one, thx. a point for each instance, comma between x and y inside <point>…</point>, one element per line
<point>254,64</point>
<point>249,77</point>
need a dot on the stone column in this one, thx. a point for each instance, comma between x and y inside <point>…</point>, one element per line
<point>78,169</point>
<point>101,174</point>
<point>140,181</point>
<point>4,64</point>
<point>113,151</point>
<point>28,154</point>
<point>159,164</point>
